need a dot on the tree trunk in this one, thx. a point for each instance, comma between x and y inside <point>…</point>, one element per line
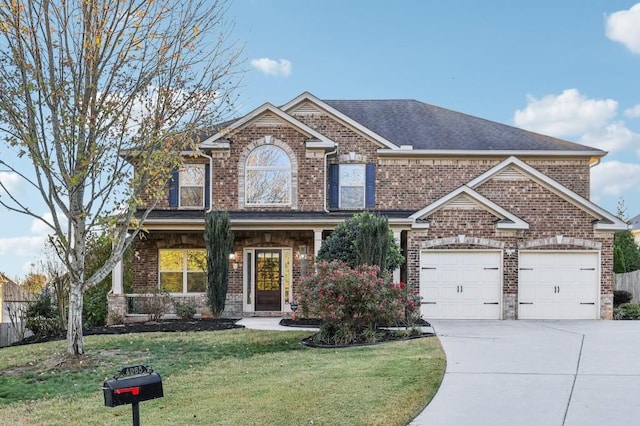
<point>75,344</point>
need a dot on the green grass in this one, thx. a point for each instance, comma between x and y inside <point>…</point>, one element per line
<point>235,377</point>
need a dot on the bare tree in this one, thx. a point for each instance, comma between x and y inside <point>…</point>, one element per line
<point>88,87</point>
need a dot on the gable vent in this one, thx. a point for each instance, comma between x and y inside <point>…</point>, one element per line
<point>510,173</point>
<point>306,109</point>
<point>268,120</point>
<point>461,202</point>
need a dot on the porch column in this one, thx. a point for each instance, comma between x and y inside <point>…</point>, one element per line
<point>116,279</point>
<point>317,242</point>
<point>116,300</point>
<point>396,272</point>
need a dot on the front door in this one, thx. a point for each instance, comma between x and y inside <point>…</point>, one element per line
<point>268,280</point>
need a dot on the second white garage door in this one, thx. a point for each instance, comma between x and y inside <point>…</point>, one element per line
<point>461,284</point>
<point>558,285</point>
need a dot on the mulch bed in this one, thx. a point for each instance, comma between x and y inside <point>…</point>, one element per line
<point>206,324</point>
<point>385,335</point>
<point>316,322</point>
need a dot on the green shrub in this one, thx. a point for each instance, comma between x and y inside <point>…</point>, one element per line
<point>353,303</point>
<point>186,309</point>
<point>627,311</point>
<point>366,238</point>
<point>621,296</point>
<point>42,316</point>
<point>95,305</point>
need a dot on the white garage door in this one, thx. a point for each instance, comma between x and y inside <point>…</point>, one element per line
<point>461,284</point>
<point>558,285</point>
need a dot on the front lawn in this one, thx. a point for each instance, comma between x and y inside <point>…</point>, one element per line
<point>235,377</point>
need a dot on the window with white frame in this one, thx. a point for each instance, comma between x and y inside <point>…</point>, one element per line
<point>352,186</point>
<point>182,270</point>
<point>268,177</point>
<point>192,179</point>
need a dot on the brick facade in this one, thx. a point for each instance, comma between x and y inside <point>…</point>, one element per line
<point>407,183</point>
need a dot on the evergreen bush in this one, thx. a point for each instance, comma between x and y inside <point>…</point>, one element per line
<point>218,239</point>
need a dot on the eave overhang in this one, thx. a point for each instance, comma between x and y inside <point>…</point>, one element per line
<point>487,153</point>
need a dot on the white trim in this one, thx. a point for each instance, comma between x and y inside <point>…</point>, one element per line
<point>306,96</point>
<point>260,168</point>
<point>185,269</point>
<point>514,221</point>
<point>488,153</point>
<point>211,141</point>
<point>203,168</point>
<point>248,279</point>
<point>363,167</point>
<point>267,223</point>
<point>558,189</point>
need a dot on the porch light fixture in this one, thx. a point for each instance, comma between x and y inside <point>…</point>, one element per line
<point>302,252</point>
<point>232,258</point>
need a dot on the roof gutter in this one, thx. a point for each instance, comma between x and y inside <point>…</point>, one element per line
<point>486,153</point>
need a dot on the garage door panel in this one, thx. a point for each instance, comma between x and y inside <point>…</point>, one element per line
<point>558,285</point>
<point>461,284</point>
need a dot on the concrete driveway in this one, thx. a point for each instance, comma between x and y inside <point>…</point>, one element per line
<point>572,373</point>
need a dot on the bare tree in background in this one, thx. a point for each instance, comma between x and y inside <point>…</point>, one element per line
<point>81,82</point>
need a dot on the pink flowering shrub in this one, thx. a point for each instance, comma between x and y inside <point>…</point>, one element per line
<point>354,302</point>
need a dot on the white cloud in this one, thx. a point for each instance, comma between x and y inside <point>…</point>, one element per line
<point>281,68</point>
<point>633,112</point>
<point>612,137</point>
<point>12,182</point>
<point>29,245</point>
<point>38,227</point>
<point>613,178</point>
<point>567,114</point>
<point>624,27</point>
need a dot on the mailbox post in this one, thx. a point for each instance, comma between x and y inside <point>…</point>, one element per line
<point>132,385</point>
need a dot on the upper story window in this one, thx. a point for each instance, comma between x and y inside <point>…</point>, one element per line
<point>192,179</point>
<point>182,270</point>
<point>268,177</point>
<point>352,186</point>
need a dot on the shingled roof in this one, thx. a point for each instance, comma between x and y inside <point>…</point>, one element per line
<point>428,127</point>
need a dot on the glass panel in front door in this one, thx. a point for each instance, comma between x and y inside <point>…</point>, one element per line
<point>268,280</point>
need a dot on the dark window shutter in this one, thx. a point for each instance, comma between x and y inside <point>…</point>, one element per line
<point>334,186</point>
<point>207,186</point>
<point>370,192</point>
<point>173,189</point>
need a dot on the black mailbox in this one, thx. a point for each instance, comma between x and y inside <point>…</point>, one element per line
<point>131,386</point>
<point>127,390</point>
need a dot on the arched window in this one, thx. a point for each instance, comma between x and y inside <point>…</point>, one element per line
<point>268,177</point>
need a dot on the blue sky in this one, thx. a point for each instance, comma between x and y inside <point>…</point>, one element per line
<point>564,68</point>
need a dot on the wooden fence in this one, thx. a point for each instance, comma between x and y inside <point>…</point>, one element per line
<point>7,335</point>
<point>629,282</point>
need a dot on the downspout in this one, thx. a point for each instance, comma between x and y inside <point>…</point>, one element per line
<point>210,180</point>
<point>326,156</point>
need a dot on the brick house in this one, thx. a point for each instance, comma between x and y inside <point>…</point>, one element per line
<point>495,222</point>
